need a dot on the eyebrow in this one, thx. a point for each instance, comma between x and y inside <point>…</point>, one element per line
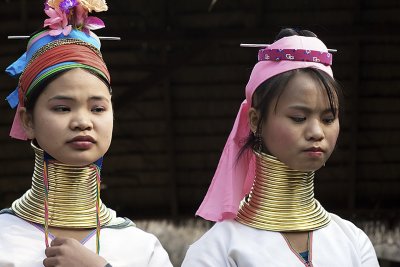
<point>70,98</point>
<point>307,109</point>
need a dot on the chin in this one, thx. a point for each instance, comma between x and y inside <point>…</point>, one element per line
<point>79,161</point>
<point>312,168</point>
<point>306,167</point>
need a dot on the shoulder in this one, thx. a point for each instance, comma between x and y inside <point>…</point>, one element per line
<point>8,218</point>
<point>130,241</point>
<point>228,231</point>
<point>227,243</point>
<point>347,227</point>
<point>130,233</point>
<point>221,231</point>
<point>219,235</point>
<point>356,237</point>
<point>125,230</point>
<point>229,227</point>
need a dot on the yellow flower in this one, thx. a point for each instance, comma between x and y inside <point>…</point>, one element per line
<point>89,5</point>
<point>94,5</point>
<point>54,3</point>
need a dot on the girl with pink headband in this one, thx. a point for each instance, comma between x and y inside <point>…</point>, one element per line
<point>262,193</point>
<point>63,105</point>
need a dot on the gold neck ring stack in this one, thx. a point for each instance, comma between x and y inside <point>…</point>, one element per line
<point>281,199</point>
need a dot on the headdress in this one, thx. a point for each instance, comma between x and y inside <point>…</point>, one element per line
<point>234,176</point>
<point>66,42</point>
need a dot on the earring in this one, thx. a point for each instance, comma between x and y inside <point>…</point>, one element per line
<point>258,141</point>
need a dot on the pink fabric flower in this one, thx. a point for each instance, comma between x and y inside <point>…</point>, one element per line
<point>86,23</point>
<point>57,22</point>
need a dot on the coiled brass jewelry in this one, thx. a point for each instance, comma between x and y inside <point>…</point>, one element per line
<point>71,196</point>
<point>281,199</point>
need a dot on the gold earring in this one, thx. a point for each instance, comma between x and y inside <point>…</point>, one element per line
<point>258,141</point>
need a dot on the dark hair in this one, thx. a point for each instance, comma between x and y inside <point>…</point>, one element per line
<point>273,88</point>
<point>31,98</point>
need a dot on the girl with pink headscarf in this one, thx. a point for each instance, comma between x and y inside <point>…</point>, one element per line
<point>262,193</point>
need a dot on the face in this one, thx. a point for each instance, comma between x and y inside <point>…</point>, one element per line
<point>300,129</point>
<point>72,119</point>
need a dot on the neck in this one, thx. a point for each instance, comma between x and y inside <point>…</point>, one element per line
<point>281,199</point>
<point>71,194</point>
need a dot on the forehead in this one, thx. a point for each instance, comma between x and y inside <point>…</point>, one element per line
<point>306,89</point>
<point>76,82</point>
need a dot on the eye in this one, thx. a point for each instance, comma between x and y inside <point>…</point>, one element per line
<point>298,119</point>
<point>61,108</point>
<point>98,109</point>
<point>329,120</point>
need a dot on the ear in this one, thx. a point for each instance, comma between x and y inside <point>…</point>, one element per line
<point>27,122</point>
<point>254,118</point>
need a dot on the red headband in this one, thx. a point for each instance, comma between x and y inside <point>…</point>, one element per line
<point>62,53</point>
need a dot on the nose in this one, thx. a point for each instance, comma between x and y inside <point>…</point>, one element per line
<point>314,131</point>
<point>81,121</point>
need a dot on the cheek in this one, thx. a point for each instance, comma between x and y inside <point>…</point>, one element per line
<point>106,128</point>
<point>278,135</point>
<point>46,126</point>
<point>332,136</point>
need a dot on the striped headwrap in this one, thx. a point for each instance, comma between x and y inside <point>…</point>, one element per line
<point>48,55</point>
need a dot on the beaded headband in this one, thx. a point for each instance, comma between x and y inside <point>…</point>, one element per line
<point>295,55</point>
<point>265,53</point>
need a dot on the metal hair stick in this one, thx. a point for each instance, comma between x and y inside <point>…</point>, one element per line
<point>105,38</point>
<point>254,45</point>
<point>266,45</point>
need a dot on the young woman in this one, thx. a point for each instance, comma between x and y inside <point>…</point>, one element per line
<point>65,109</point>
<point>262,193</point>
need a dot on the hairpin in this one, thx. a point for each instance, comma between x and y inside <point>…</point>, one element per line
<point>266,45</point>
<point>106,38</point>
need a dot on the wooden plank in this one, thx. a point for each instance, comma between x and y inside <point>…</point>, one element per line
<point>379,121</point>
<point>133,162</point>
<point>227,73</point>
<point>197,160</point>
<point>210,92</point>
<point>380,87</point>
<point>380,105</point>
<point>381,16</point>
<point>387,71</point>
<point>375,4</point>
<point>206,109</point>
<point>207,126</point>
<point>139,128</point>
<point>376,138</point>
<point>382,171</point>
<point>380,53</point>
<point>379,154</point>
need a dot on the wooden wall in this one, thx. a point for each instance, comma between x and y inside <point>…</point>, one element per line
<point>178,78</point>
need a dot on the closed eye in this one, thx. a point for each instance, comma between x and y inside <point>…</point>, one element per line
<point>61,108</point>
<point>98,109</point>
<point>329,120</point>
<point>298,119</point>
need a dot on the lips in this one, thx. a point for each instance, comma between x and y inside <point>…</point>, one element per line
<point>314,149</point>
<point>314,152</point>
<point>81,138</point>
<point>82,142</point>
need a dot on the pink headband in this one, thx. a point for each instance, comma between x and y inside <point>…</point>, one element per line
<point>234,177</point>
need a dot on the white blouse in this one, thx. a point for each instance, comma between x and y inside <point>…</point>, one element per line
<point>232,244</point>
<point>22,245</point>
